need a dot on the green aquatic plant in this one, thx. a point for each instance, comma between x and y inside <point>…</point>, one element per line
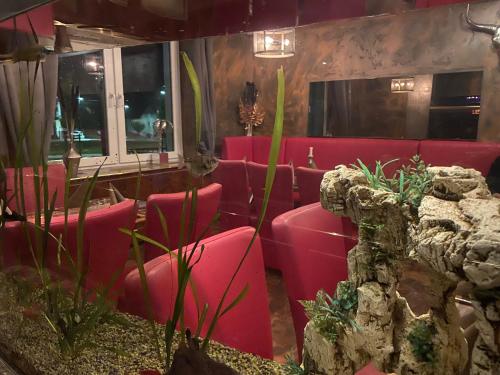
<point>369,230</point>
<point>410,183</point>
<point>187,255</point>
<point>420,338</point>
<point>292,368</point>
<point>376,180</point>
<point>417,181</point>
<point>331,315</point>
<point>72,311</point>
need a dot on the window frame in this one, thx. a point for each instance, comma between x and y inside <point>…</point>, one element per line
<point>115,114</point>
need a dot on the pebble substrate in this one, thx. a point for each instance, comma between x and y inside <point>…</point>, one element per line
<point>33,346</point>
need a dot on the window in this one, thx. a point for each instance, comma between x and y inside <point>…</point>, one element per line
<point>128,104</point>
<point>90,135</point>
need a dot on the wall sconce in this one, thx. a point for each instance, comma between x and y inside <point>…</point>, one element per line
<point>274,44</point>
<point>93,65</point>
<point>400,85</point>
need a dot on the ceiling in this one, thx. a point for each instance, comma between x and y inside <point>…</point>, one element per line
<point>203,17</point>
<point>126,22</point>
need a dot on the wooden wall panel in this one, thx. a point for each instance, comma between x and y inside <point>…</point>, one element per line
<point>424,41</point>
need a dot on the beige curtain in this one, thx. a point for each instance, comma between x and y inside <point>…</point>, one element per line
<point>17,81</point>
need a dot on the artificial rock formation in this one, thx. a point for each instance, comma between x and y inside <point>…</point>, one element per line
<point>456,234</point>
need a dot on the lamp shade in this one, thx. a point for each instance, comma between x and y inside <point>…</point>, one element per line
<point>274,43</point>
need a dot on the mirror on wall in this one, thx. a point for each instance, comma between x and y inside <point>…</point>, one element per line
<point>435,106</point>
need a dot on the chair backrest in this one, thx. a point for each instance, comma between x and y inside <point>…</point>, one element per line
<point>247,327</point>
<point>56,178</point>
<point>171,207</point>
<point>108,246</point>
<point>281,199</point>
<point>235,199</point>
<point>14,248</point>
<point>105,249</point>
<point>309,182</point>
<point>317,243</point>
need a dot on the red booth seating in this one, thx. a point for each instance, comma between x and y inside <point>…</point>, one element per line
<point>477,155</point>
<point>235,199</point>
<point>250,149</point>
<point>171,207</point>
<point>314,243</point>
<point>247,327</point>
<point>309,182</point>
<point>280,201</point>
<point>56,178</point>
<point>104,253</point>
<point>329,152</point>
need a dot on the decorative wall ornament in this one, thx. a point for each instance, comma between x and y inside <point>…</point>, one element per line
<point>251,112</point>
<point>493,30</point>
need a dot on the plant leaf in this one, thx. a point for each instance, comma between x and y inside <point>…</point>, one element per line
<point>195,84</point>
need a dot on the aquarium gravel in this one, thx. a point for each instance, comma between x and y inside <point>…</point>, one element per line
<point>30,345</point>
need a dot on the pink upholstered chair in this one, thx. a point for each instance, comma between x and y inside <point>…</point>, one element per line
<point>235,199</point>
<point>171,207</point>
<point>14,248</point>
<point>56,177</point>
<point>281,201</point>
<point>314,243</point>
<point>105,249</point>
<point>247,327</point>
<point>309,181</point>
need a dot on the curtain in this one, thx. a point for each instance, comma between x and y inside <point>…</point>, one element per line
<point>16,82</point>
<point>200,52</point>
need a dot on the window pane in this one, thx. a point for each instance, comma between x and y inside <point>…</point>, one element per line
<point>148,99</point>
<point>85,71</point>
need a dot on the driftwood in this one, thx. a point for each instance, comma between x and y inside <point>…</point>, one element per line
<point>190,360</point>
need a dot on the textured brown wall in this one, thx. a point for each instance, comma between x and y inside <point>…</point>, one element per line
<point>417,42</point>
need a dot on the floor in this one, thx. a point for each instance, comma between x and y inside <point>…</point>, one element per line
<point>281,319</point>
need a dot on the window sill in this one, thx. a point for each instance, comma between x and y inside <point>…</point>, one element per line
<point>124,169</point>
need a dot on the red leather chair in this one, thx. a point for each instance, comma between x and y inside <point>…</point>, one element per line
<point>171,207</point>
<point>280,201</point>
<point>14,249</point>
<point>309,182</point>
<point>105,249</point>
<point>56,177</point>
<point>108,246</point>
<point>235,199</point>
<point>247,327</point>
<point>315,243</point>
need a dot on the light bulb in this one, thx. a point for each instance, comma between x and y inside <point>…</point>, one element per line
<point>269,41</point>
